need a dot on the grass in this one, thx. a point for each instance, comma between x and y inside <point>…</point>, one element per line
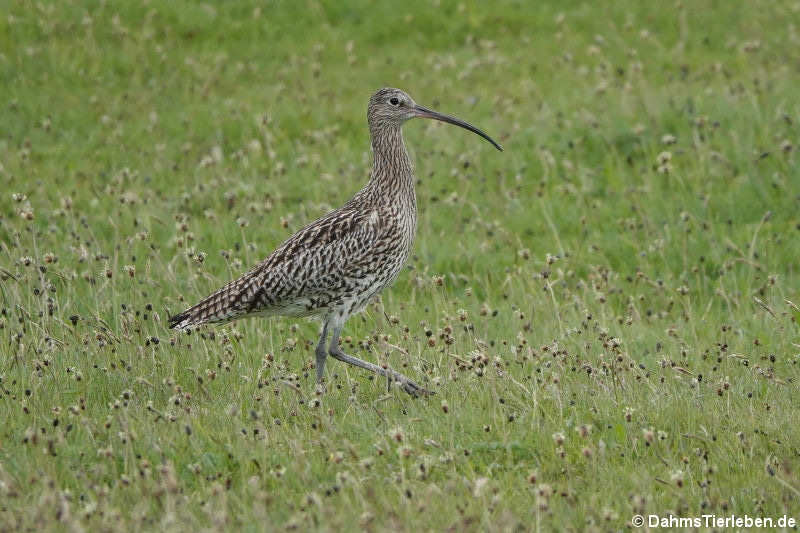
<point>604,310</point>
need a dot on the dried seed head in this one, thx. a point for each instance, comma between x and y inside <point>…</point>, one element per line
<point>629,413</point>
<point>544,490</point>
<point>397,434</point>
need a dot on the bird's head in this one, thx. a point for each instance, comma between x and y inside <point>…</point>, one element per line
<point>390,108</point>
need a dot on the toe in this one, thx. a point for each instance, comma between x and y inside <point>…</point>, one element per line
<point>415,390</point>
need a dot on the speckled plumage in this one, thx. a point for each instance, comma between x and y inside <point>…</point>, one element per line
<point>335,265</point>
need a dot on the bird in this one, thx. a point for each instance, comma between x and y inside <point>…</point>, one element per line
<point>332,268</point>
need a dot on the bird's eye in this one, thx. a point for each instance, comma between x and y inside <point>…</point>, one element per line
<point>394,101</point>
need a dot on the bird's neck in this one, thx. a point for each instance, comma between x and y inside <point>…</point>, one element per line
<point>392,175</point>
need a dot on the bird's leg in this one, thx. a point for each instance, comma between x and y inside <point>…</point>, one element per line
<point>321,352</point>
<point>407,385</point>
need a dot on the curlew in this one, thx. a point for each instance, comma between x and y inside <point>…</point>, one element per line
<point>331,268</point>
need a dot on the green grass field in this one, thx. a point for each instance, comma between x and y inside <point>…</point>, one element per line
<point>608,311</point>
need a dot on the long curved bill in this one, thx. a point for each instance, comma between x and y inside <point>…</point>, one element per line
<point>424,112</point>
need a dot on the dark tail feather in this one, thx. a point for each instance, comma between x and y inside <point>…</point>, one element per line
<point>215,308</point>
<point>222,306</point>
<point>177,319</point>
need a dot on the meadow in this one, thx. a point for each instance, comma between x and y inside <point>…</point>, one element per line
<point>608,311</point>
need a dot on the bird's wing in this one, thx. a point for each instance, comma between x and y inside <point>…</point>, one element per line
<point>309,269</point>
<point>322,259</point>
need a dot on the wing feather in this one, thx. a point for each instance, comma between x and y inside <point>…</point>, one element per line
<point>308,270</point>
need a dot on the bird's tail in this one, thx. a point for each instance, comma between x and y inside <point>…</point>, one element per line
<point>222,306</point>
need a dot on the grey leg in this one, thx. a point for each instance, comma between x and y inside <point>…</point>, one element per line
<point>407,385</point>
<point>321,352</point>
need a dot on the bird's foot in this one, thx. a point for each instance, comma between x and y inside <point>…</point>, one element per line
<point>412,388</point>
<point>406,384</point>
